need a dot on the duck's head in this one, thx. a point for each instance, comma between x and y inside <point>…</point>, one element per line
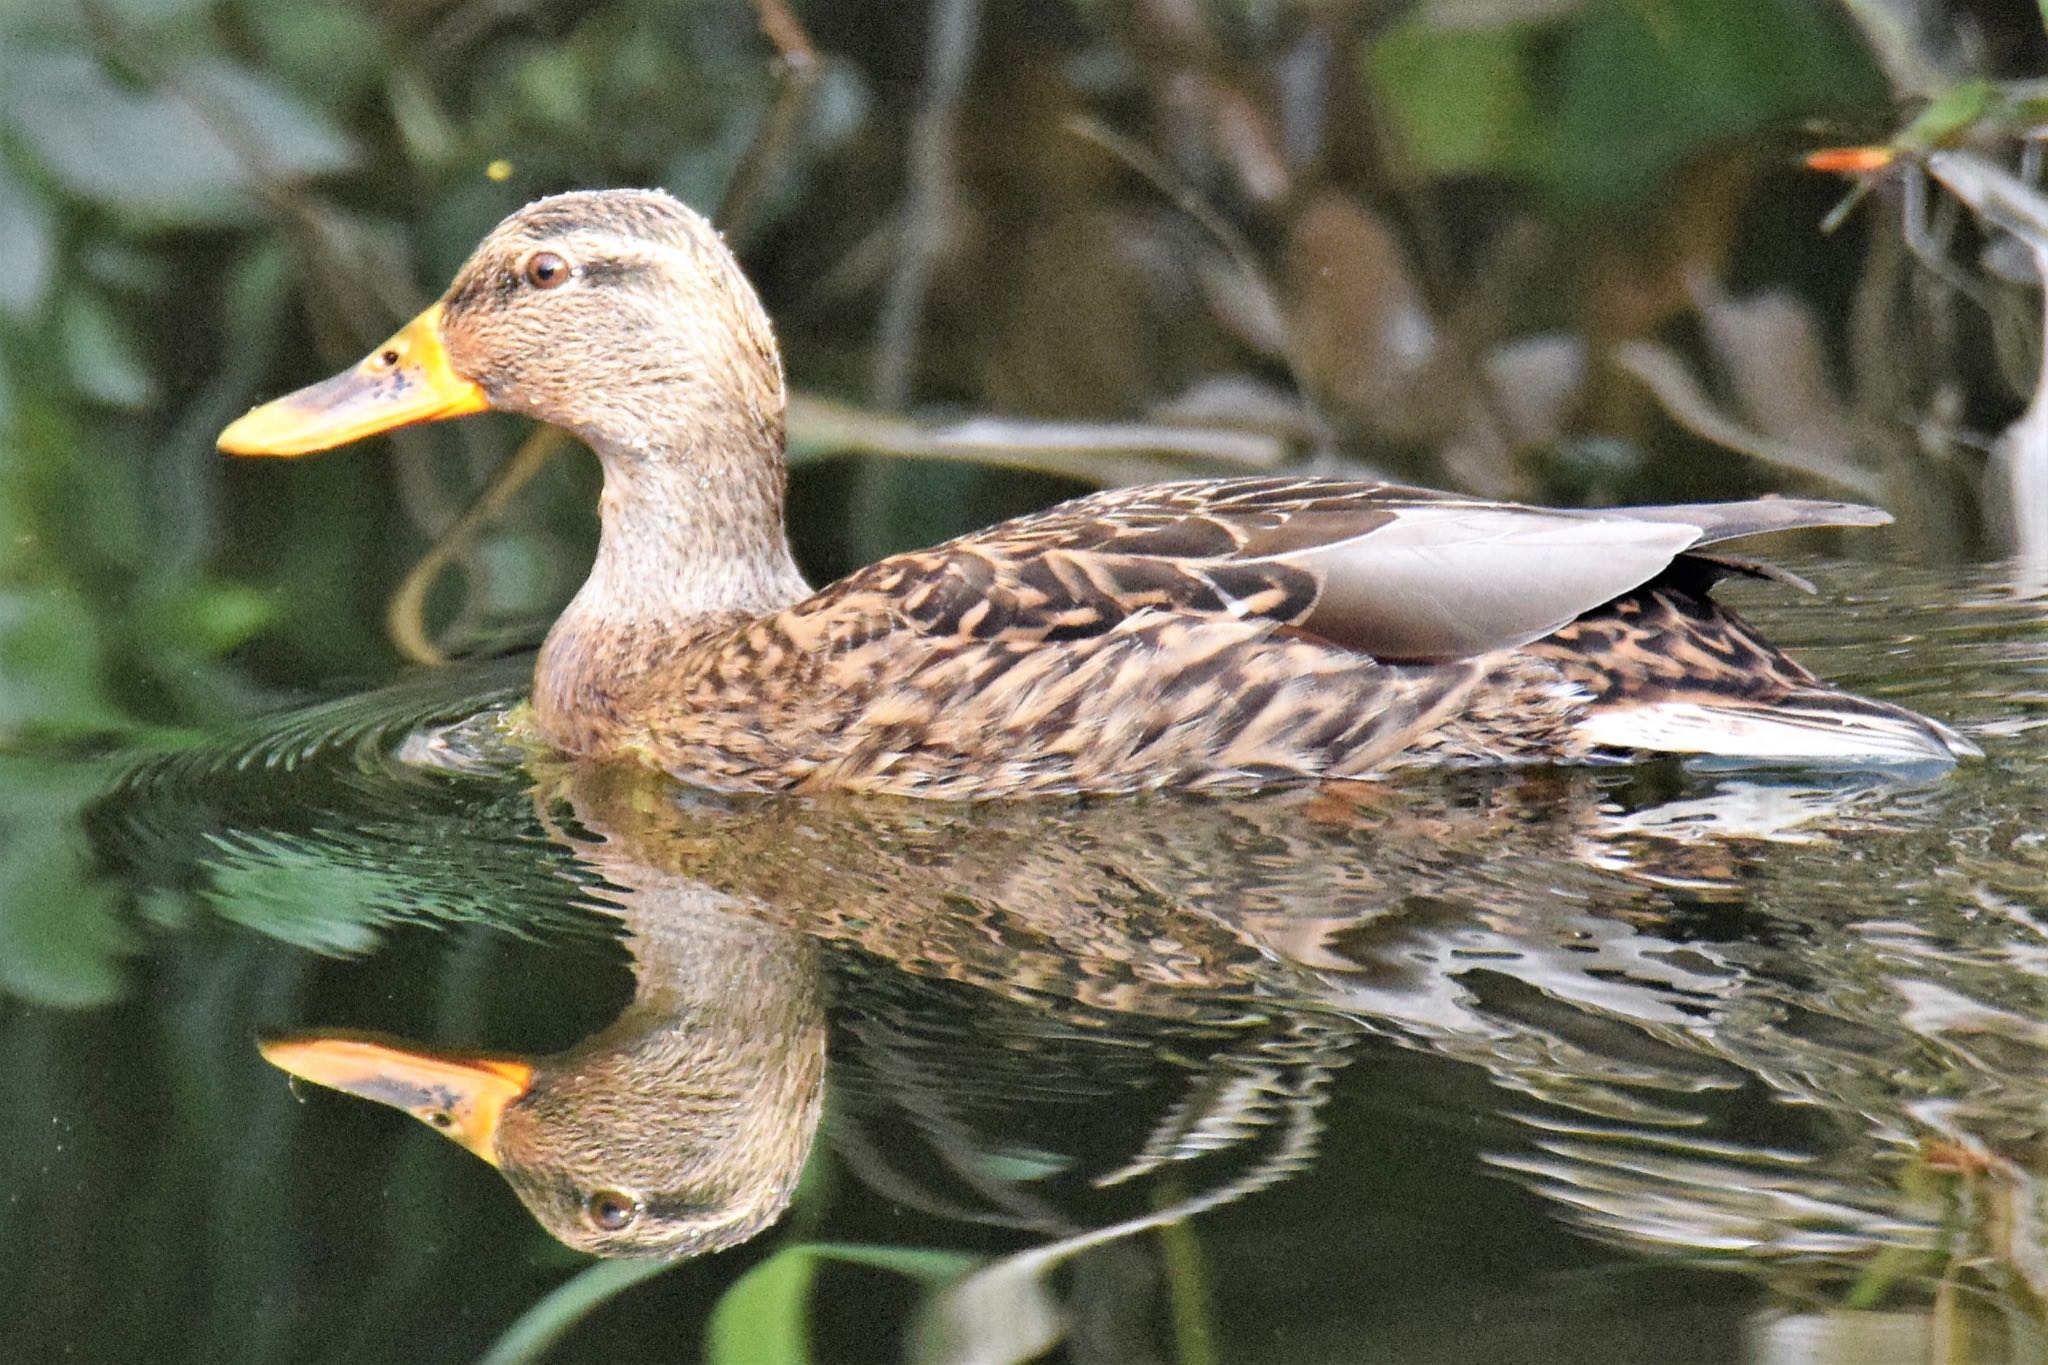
<point>616,314</point>
<point>613,1160</point>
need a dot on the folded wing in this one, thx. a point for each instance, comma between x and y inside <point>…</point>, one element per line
<point>1394,573</point>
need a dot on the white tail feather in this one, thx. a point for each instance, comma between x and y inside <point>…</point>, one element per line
<point>1878,735</point>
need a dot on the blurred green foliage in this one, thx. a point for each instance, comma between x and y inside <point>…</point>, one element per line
<point>1602,109</point>
<point>207,201</point>
<point>765,1317</point>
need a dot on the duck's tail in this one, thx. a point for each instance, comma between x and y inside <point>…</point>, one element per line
<point>1670,670</point>
<point>1820,725</point>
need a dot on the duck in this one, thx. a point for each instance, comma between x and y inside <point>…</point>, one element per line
<point>1222,634</point>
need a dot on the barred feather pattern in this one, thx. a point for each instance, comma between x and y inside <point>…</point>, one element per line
<point>1664,647</point>
<point>1178,636</point>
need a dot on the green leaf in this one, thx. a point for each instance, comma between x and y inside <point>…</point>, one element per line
<point>297,891</point>
<point>122,268</point>
<point>549,1320</point>
<point>335,54</point>
<point>50,660</point>
<point>554,88</point>
<point>1647,83</point>
<point>294,140</point>
<point>101,355</point>
<point>1949,116</point>
<point>178,155</point>
<point>61,938</point>
<point>26,226</point>
<point>929,1266</point>
<point>428,133</point>
<point>1459,97</point>
<point>155,11</point>
<point>764,1318</point>
<point>1021,1164</point>
<point>209,617</point>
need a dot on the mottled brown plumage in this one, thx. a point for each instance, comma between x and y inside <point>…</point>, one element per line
<point>1204,635</point>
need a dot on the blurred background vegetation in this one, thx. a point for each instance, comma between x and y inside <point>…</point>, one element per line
<point>1555,249</point>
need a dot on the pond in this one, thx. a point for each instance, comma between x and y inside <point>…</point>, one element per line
<point>1661,1062</point>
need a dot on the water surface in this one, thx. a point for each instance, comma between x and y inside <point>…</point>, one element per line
<point>1653,1063</point>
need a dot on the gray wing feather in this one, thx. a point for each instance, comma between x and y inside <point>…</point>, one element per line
<point>1719,521</point>
<point>1452,581</point>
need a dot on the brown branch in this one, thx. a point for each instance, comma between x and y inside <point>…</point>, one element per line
<point>405,615</point>
<point>796,76</point>
<point>931,202</point>
<point>786,31</point>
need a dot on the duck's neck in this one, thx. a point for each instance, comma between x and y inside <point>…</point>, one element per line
<point>726,1010</point>
<point>690,542</point>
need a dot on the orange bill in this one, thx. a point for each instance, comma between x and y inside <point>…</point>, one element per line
<point>406,380</point>
<point>459,1094</point>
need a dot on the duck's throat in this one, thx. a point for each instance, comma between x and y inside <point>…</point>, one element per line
<point>687,548</point>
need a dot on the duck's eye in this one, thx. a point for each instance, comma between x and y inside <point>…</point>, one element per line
<point>546,270</point>
<point>610,1209</point>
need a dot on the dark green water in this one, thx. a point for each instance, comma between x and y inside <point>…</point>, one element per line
<point>1647,1064</point>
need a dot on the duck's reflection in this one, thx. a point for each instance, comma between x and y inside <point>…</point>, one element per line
<point>1189,973</point>
<point>680,1128</point>
<point>683,1126</point>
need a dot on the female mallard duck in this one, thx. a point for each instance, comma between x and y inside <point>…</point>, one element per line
<point>1221,634</point>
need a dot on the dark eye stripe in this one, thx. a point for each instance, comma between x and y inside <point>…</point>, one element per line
<point>474,292</point>
<point>612,272</point>
<point>500,285</point>
<point>676,1208</point>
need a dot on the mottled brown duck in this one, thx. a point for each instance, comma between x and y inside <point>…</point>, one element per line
<point>1219,634</point>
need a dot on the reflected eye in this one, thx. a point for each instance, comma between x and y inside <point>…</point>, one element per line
<point>610,1210</point>
<point>546,270</point>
